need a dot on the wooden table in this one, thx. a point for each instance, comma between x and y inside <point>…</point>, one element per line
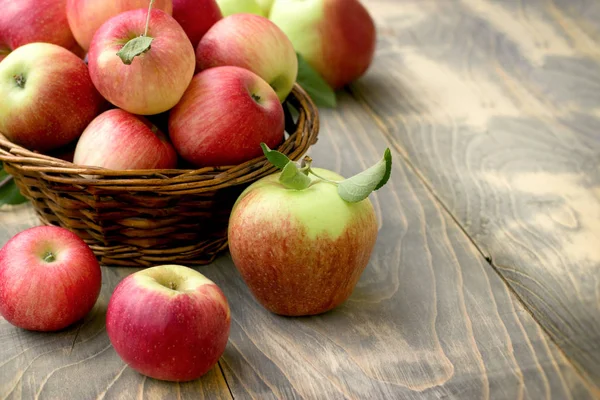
<point>485,280</point>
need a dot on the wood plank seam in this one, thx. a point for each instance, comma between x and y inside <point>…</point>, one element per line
<point>225,379</point>
<point>405,158</point>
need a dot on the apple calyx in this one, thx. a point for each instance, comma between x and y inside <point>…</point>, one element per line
<point>49,257</point>
<point>138,45</point>
<point>20,80</point>
<point>352,190</point>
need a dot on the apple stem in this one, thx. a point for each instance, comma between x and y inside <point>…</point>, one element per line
<point>148,17</point>
<point>322,178</point>
<point>49,257</point>
<point>20,79</point>
<point>305,168</point>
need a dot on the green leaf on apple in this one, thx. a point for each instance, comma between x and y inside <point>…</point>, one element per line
<point>9,192</point>
<point>134,48</point>
<point>359,186</point>
<point>291,177</point>
<point>314,84</point>
<point>276,158</point>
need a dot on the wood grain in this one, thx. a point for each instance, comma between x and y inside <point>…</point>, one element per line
<point>496,105</point>
<point>79,362</point>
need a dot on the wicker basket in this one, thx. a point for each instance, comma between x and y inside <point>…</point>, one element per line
<point>151,217</point>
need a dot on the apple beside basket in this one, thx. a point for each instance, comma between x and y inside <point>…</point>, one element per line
<point>142,218</point>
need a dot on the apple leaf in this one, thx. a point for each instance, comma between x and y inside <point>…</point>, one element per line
<point>291,177</point>
<point>134,48</point>
<point>9,192</point>
<point>359,186</point>
<point>314,84</point>
<point>276,158</point>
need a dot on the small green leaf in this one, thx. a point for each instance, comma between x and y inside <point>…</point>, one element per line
<point>10,194</point>
<point>360,186</point>
<point>314,84</point>
<point>291,177</point>
<point>276,158</point>
<point>134,48</point>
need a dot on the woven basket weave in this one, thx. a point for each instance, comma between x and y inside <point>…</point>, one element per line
<point>143,218</point>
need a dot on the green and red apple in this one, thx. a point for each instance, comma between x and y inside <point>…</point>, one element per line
<point>168,322</point>
<point>301,252</point>
<point>47,96</point>
<point>336,37</point>
<point>49,279</point>
<point>86,16</point>
<point>254,43</point>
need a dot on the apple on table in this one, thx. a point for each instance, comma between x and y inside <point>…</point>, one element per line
<point>168,322</point>
<point>49,279</point>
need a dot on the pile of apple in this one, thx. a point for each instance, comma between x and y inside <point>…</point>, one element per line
<point>300,239</point>
<point>169,83</point>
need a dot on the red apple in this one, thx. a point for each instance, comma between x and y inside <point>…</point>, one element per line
<point>119,140</point>
<point>168,322</point>
<point>156,79</point>
<point>336,37</point>
<point>29,21</point>
<point>86,16</point>
<point>224,116</point>
<point>196,17</point>
<point>47,96</point>
<point>301,252</point>
<point>49,279</point>
<point>252,42</point>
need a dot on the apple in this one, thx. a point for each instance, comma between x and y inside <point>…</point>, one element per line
<point>29,21</point>
<point>252,42</point>
<point>336,37</point>
<point>86,16</point>
<point>168,322</point>
<point>155,80</point>
<point>224,116</point>
<point>49,279</point>
<point>119,140</point>
<point>265,5</point>
<point>230,7</point>
<point>196,17</point>
<point>47,96</point>
<point>301,252</point>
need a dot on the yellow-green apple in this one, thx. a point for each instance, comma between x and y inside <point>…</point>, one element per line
<point>196,17</point>
<point>336,37</point>
<point>47,96</point>
<point>252,42</point>
<point>86,16</point>
<point>224,116</point>
<point>265,5</point>
<point>153,81</point>
<point>230,7</point>
<point>168,322</point>
<point>301,252</point>
<point>119,140</point>
<point>29,21</point>
<point>49,279</point>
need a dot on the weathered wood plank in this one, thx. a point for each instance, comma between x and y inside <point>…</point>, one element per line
<point>497,107</point>
<point>79,362</point>
<point>429,318</point>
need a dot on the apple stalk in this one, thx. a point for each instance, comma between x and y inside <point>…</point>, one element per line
<point>138,45</point>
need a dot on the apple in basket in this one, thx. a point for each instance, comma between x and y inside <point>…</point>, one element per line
<point>168,322</point>
<point>86,16</point>
<point>29,21</point>
<point>252,42</point>
<point>301,238</point>
<point>224,116</point>
<point>47,96</point>
<point>336,37</point>
<point>196,17</point>
<point>141,61</point>
<point>119,140</point>
<point>49,279</point>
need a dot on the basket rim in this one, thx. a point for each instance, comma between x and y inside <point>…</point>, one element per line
<point>66,172</point>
